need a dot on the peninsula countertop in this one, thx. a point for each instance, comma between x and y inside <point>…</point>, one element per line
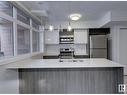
<point>63,63</point>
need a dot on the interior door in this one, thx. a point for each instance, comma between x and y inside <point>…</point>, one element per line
<point>123,48</point>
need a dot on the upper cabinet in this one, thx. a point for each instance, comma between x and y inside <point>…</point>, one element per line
<point>51,37</point>
<point>81,36</point>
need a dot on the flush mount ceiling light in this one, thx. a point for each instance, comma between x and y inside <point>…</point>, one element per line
<point>75,16</point>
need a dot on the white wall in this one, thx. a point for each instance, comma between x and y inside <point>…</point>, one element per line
<point>119,45</point>
<point>116,20</point>
<point>74,24</point>
<point>115,43</point>
<point>119,16</point>
<point>112,18</point>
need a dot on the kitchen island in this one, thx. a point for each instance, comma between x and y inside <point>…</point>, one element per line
<point>68,76</point>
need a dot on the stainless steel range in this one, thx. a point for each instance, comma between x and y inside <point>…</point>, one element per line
<point>66,53</point>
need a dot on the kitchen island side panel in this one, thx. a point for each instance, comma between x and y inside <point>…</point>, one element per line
<point>70,80</point>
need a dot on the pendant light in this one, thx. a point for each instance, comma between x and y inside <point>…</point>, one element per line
<point>51,28</point>
<point>69,27</point>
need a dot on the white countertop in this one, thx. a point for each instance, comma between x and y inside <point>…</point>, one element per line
<point>54,63</point>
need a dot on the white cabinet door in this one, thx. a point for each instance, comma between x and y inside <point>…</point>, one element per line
<point>80,36</point>
<point>80,49</point>
<point>51,37</point>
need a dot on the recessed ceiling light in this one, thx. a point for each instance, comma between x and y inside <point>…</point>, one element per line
<point>75,16</point>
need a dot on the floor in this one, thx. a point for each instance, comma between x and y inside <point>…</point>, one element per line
<point>125,82</point>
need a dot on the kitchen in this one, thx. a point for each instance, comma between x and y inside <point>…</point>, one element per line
<point>63,47</point>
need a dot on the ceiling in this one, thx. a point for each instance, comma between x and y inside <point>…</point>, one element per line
<point>60,10</point>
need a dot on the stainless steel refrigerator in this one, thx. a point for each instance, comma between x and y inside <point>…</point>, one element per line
<point>98,46</point>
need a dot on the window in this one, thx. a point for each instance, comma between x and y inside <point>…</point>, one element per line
<point>6,7</point>
<point>23,17</point>
<point>35,41</point>
<point>6,38</point>
<point>35,24</point>
<point>23,40</point>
